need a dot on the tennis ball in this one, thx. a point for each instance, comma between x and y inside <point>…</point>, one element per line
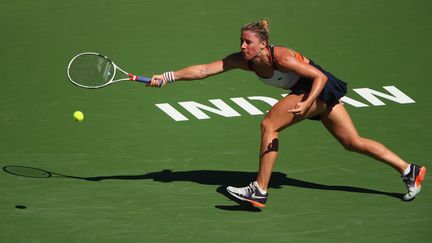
<point>78,116</point>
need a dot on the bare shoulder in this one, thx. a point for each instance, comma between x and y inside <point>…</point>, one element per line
<point>282,53</point>
<point>235,61</point>
<point>288,55</point>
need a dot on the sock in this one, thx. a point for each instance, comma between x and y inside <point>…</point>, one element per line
<point>407,170</point>
<point>259,188</point>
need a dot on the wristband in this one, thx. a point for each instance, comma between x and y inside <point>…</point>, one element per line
<point>169,76</point>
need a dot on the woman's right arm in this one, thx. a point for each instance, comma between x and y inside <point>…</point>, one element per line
<point>202,71</point>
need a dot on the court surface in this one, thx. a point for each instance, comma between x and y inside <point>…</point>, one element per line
<point>131,173</point>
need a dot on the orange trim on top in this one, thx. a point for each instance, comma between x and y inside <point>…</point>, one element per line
<point>299,56</point>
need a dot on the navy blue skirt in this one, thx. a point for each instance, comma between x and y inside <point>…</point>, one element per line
<point>333,90</point>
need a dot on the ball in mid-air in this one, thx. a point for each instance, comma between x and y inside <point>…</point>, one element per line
<point>78,116</point>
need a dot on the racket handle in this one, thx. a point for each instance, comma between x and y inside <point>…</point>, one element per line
<point>142,79</point>
<point>139,78</point>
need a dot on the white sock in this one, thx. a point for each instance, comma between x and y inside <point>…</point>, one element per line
<point>407,170</point>
<point>259,188</point>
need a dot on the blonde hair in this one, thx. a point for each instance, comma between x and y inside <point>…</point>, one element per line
<point>260,28</point>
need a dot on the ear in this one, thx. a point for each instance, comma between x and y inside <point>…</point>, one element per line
<point>263,44</point>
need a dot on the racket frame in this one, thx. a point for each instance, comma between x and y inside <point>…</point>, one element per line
<point>143,79</point>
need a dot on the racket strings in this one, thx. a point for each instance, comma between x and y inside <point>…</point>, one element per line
<point>91,70</point>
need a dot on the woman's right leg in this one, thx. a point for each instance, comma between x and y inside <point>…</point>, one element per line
<point>277,119</point>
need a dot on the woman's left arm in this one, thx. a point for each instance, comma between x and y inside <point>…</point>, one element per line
<point>290,63</point>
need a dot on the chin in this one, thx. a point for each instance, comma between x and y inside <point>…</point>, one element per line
<point>246,57</point>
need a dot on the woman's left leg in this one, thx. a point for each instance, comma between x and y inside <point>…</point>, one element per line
<point>340,125</point>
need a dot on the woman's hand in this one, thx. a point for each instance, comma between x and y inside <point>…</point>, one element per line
<point>157,81</point>
<point>300,108</point>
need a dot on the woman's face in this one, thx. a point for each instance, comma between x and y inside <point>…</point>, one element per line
<point>251,46</point>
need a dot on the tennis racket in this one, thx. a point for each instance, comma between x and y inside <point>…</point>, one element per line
<point>92,70</point>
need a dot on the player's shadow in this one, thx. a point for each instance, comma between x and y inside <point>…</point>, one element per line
<point>220,179</point>
<point>236,178</point>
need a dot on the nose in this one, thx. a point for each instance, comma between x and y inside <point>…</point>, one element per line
<point>243,45</point>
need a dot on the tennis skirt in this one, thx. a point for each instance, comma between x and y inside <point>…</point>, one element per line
<point>333,90</point>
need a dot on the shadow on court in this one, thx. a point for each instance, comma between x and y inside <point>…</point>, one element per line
<point>205,177</point>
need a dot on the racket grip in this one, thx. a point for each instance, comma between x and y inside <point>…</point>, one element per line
<point>142,79</point>
<point>139,78</point>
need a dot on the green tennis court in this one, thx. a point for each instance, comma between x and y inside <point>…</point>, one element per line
<point>146,165</point>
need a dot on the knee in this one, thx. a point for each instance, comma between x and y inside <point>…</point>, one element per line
<point>353,144</point>
<point>267,126</point>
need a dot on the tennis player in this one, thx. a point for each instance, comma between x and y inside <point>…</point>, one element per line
<point>315,94</point>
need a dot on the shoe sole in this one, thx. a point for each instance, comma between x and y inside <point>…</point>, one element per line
<point>254,203</point>
<point>419,180</point>
<point>420,177</point>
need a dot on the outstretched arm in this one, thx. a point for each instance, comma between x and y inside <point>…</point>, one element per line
<point>201,71</point>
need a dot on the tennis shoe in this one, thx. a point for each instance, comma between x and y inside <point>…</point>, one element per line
<point>413,181</point>
<point>250,194</point>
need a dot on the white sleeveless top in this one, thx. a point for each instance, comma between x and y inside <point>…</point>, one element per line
<point>281,80</point>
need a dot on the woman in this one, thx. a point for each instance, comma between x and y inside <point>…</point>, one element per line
<point>315,95</point>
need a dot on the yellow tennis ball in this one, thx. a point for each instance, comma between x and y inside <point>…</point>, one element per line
<point>78,116</point>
